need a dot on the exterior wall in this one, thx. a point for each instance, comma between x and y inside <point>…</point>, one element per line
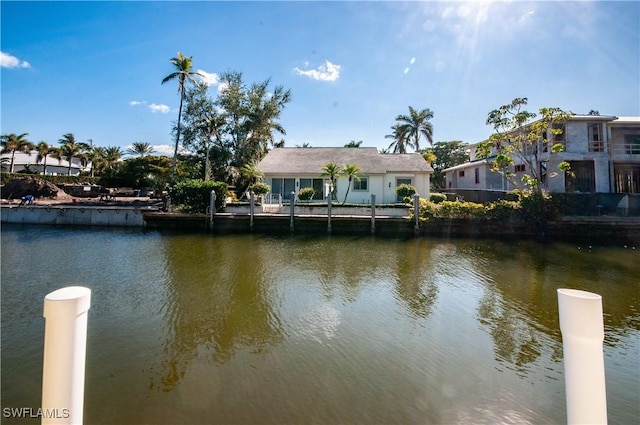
<point>383,186</point>
<point>76,216</point>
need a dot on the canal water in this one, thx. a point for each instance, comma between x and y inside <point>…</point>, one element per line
<point>249,329</point>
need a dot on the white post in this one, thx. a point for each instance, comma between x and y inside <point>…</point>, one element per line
<point>582,330</point>
<point>373,214</point>
<point>65,343</point>
<point>416,213</point>
<point>252,203</point>
<point>212,207</point>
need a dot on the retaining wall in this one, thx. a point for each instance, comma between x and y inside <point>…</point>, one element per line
<point>73,215</point>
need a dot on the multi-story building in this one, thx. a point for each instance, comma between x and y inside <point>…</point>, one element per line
<point>603,152</point>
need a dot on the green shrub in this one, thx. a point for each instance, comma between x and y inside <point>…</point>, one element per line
<point>436,198</point>
<point>503,210</point>
<point>260,188</point>
<point>193,196</point>
<point>405,191</point>
<point>306,193</point>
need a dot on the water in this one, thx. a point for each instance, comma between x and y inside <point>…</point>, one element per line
<point>193,328</point>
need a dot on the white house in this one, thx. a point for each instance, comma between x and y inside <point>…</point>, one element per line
<point>603,151</point>
<point>288,170</point>
<point>22,160</point>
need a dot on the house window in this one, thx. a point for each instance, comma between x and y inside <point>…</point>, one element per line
<point>596,141</point>
<point>316,184</point>
<point>477,172</point>
<point>632,143</point>
<point>627,178</point>
<point>461,173</point>
<point>361,185</point>
<point>520,168</point>
<point>559,133</point>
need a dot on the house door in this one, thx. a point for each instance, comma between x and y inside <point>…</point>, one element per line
<point>400,181</point>
<point>316,184</point>
<point>283,187</point>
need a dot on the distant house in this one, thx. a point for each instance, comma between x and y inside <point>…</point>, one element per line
<point>603,151</point>
<point>288,170</point>
<point>55,166</point>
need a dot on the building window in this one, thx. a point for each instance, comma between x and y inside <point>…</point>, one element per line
<point>581,178</point>
<point>596,141</point>
<point>361,185</point>
<point>559,133</point>
<point>632,143</point>
<point>520,168</point>
<point>477,172</point>
<point>316,184</point>
<point>461,173</point>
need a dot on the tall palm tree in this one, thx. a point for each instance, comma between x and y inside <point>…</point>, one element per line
<point>331,170</point>
<point>140,149</point>
<point>70,148</point>
<point>251,173</point>
<point>44,150</point>
<point>15,142</point>
<point>183,74</point>
<point>399,138</point>
<point>351,171</point>
<point>415,125</point>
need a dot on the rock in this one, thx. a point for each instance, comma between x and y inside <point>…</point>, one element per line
<point>21,186</point>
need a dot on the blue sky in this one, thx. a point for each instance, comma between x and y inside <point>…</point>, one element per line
<point>94,68</point>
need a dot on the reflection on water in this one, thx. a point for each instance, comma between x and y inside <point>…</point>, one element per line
<point>251,329</point>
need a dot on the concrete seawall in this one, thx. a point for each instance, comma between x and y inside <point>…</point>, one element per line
<point>73,215</point>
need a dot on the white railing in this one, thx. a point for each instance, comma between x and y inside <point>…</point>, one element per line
<point>272,199</point>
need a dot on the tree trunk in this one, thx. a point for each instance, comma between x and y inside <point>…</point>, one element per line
<point>175,150</point>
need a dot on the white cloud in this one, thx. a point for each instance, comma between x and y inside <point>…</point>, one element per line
<point>327,72</point>
<point>209,78</point>
<point>155,107</point>
<point>159,108</point>
<point>163,149</point>
<point>9,61</point>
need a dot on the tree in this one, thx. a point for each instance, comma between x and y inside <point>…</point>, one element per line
<point>112,157</point>
<point>251,173</point>
<point>183,74</point>
<point>15,142</point>
<point>202,124</point>
<point>331,170</point>
<point>353,144</point>
<point>96,155</point>
<point>251,114</point>
<point>399,143</point>
<point>415,125</point>
<point>445,155</point>
<point>70,148</point>
<point>304,145</point>
<point>518,135</point>
<point>140,149</point>
<point>44,150</point>
<point>351,171</point>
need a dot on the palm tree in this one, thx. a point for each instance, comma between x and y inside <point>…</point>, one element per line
<point>112,156</point>
<point>182,73</point>
<point>415,125</point>
<point>353,144</point>
<point>351,171</point>
<point>70,148</point>
<point>400,142</point>
<point>331,170</point>
<point>96,155</point>
<point>140,149</point>
<point>44,150</point>
<point>251,173</point>
<point>15,142</point>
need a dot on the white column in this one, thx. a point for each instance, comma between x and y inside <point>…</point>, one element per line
<point>65,342</point>
<point>582,328</point>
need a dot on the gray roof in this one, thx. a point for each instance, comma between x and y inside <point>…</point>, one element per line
<point>311,160</point>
